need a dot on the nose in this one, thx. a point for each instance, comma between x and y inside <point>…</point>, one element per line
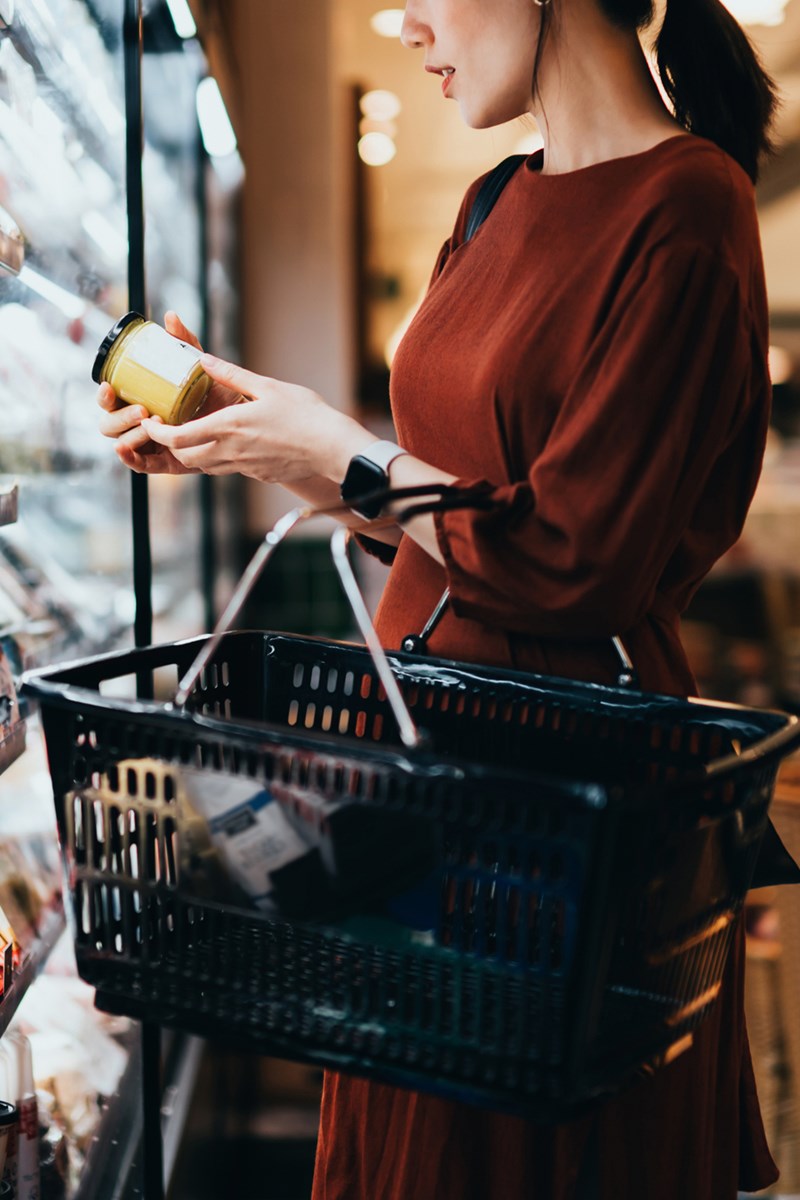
<point>414,33</point>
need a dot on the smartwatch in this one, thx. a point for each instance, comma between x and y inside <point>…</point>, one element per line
<point>369,472</point>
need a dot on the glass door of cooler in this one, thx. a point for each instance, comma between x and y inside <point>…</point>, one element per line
<point>174,278</point>
<point>65,566</point>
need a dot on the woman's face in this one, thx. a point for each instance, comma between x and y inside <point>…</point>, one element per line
<point>484,51</point>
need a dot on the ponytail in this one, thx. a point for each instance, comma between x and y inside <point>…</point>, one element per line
<point>714,79</point>
<point>709,70</point>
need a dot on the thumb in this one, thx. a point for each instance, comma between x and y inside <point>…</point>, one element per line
<point>175,326</point>
<point>231,376</point>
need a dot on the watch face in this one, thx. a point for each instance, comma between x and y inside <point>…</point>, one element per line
<point>362,478</point>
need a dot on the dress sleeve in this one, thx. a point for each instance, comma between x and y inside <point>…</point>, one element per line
<point>666,412</point>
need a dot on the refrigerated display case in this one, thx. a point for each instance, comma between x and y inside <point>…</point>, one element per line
<point>63,282</point>
<point>71,263</point>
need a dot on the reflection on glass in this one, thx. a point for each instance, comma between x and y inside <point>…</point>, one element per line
<point>63,283</point>
<point>63,273</point>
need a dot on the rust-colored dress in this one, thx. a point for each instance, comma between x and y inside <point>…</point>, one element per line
<point>597,353</point>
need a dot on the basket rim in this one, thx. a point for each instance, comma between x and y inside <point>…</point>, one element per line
<point>52,685</point>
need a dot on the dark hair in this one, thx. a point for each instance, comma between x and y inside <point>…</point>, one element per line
<point>709,69</point>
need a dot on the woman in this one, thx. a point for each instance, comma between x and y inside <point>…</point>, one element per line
<point>596,356</point>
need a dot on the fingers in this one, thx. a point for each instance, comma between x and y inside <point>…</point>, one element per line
<point>199,432</point>
<point>107,397</point>
<point>247,383</point>
<point>193,451</point>
<point>118,421</point>
<point>174,325</point>
<point>155,462</point>
<point>198,446</point>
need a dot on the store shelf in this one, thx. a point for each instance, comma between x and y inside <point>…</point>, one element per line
<point>53,926</point>
<point>9,505</point>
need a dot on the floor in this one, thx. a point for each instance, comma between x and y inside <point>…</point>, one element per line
<point>251,1132</point>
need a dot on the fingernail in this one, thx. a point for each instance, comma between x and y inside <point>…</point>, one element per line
<point>208,360</point>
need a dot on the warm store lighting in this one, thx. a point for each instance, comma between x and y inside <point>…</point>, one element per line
<point>757,12</point>
<point>781,366</point>
<point>376,149</point>
<point>388,22</point>
<point>380,105</point>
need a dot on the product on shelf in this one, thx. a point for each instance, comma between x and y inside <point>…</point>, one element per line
<point>8,1088</point>
<point>28,1143</point>
<point>8,1123</point>
<point>12,728</point>
<point>6,959</point>
<point>26,890</point>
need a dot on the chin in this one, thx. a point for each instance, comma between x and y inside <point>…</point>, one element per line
<point>489,117</point>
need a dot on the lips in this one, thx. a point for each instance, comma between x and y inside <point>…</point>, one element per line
<point>446,73</point>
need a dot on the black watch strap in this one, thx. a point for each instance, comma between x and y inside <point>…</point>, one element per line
<point>368,472</point>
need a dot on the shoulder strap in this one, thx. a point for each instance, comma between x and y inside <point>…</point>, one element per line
<point>490,190</point>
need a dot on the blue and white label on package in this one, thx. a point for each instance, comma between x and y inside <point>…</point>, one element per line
<point>248,829</point>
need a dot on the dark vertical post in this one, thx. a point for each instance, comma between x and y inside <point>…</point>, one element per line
<point>208,545</point>
<point>137,300</point>
<point>152,1144</point>
<point>152,1148</point>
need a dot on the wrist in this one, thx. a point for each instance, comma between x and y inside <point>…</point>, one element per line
<point>347,439</point>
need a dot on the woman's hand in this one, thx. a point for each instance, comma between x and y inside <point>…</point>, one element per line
<point>135,448</point>
<point>286,434</point>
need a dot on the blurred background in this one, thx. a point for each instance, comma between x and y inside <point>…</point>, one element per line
<point>298,174</point>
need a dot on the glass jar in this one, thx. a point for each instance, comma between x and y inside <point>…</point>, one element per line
<point>145,365</point>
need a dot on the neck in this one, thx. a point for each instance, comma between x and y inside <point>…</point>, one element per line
<point>597,99</point>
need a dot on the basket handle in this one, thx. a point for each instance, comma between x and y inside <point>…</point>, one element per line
<point>410,735</point>
<point>429,497</point>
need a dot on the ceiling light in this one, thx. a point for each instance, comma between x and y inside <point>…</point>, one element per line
<point>217,132</point>
<point>757,12</point>
<point>380,105</point>
<point>182,18</point>
<point>376,149</point>
<point>388,22</point>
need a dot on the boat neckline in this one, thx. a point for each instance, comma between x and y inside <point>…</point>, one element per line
<point>534,161</point>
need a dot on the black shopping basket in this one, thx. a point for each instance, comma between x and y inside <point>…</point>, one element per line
<point>522,909</point>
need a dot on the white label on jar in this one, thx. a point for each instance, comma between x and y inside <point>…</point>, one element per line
<point>157,351</point>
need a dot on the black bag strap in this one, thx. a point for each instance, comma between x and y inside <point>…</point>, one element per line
<point>488,195</point>
<point>490,191</point>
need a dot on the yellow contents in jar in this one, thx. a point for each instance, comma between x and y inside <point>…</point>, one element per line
<point>145,365</point>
